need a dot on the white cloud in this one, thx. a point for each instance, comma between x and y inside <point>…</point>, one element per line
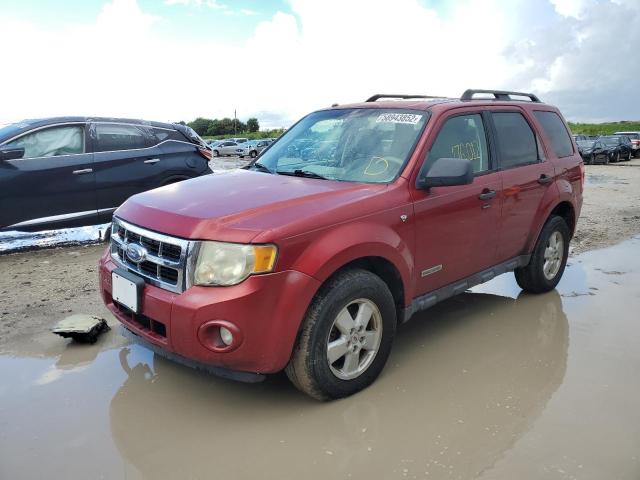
<point>325,52</point>
<point>197,3</point>
<point>248,12</point>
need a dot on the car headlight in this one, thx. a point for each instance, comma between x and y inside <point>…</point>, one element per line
<point>224,264</point>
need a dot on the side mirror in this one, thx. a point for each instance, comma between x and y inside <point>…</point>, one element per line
<point>11,153</point>
<point>447,172</point>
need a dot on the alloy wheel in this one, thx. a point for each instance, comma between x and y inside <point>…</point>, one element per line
<point>553,255</point>
<point>354,339</point>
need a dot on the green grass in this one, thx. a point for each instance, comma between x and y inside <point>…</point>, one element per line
<point>603,128</point>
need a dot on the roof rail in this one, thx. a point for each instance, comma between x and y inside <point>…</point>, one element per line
<point>499,95</point>
<point>378,96</point>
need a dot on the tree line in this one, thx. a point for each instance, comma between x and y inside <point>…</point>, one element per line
<point>207,127</point>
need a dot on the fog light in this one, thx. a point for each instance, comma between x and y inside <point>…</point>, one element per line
<point>226,336</point>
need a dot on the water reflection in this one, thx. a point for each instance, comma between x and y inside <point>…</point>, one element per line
<point>466,380</point>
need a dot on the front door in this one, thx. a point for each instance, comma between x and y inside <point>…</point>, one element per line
<point>52,183</point>
<point>457,227</point>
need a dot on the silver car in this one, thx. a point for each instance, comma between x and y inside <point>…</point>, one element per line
<point>254,147</point>
<point>229,147</point>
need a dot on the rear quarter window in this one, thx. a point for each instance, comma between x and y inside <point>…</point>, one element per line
<point>555,129</point>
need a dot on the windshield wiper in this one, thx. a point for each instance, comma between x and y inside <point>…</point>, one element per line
<point>301,173</point>
<point>260,167</point>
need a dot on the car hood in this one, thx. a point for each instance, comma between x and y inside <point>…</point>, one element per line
<point>237,206</point>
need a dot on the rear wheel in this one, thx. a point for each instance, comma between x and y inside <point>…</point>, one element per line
<point>346,336</point>
<point>548,260</point>
<point>253,154</point>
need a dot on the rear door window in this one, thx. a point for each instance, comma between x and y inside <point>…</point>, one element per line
<point>517,143</point>
<point>51,142</point>
<point>555,129</point>
<point>114,137</point>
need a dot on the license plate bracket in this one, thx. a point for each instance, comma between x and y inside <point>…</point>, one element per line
<point>126,289</point>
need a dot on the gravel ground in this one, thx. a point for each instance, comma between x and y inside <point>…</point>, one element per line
<point>40,287</point>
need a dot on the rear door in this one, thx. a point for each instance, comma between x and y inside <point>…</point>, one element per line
<point>457,227</point>
<point>53,182</point>
<point>127,161</point>
<point>526,176</point>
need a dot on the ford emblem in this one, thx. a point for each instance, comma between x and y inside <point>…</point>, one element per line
<point>136,253</point>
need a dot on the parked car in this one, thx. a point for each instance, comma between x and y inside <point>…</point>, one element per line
<point>229,147</point>
<point>255,147</point>
<point>635,141</point>
<point>310,265</point>
<point>593,151</point>
<point>71,171</point>
<point>215,143</point>
<point>584,137</point>
<point>618,147</point>
<point>239,140</point>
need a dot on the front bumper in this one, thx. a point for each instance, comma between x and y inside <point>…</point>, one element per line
<point>266,310</point>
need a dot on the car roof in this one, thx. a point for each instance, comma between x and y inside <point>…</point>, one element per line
<point>441,104</point>
<point>41,122</point>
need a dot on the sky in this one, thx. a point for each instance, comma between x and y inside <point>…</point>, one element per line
<point>171,60</point>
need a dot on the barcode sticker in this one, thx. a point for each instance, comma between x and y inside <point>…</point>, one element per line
<point>410,118</point>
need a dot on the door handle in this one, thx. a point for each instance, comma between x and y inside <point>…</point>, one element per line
<point>83,171</point>
<point>544,178</point>
<point>152,160</point>
<point>487,194</point>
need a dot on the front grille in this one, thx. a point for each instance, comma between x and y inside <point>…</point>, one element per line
<point>165,257</point>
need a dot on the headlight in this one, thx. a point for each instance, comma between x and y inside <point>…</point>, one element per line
<point>220,263</point>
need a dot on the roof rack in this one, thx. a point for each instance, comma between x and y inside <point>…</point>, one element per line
<point>378,96</point>
<point>499,95</point>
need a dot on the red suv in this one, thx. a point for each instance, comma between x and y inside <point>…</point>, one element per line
<point>357,217</point>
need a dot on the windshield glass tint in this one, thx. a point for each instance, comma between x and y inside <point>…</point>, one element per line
<point>358,145</point>
<point>609,141</point>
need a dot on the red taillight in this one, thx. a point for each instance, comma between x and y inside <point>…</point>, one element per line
<point>206,153</point>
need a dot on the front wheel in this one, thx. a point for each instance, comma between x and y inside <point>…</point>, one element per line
<point>592,159</point>
<point>618,157</point>
<point>346,336</point>
<point>216,153</point>
<point>253,154</point>
<point>548,260</point>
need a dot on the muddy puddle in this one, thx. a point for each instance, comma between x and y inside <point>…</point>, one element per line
<point>491,384</point>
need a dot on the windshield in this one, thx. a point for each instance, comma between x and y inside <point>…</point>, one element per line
<point>359,145</point>
<point>609,141</point>
<point>585,143</point>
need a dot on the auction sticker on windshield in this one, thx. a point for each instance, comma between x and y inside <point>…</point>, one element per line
<point>410,118</point>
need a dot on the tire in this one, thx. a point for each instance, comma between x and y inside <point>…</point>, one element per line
<point>533,277</point>
<point>592,159</point>
<point>216,153</point>
<point>338,302</point>
<point>618,157</point>
<point>629,157</point>
<point>253,154</point>
<point>606,159</point>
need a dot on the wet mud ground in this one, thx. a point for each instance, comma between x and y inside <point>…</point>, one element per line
<point>492,384</point>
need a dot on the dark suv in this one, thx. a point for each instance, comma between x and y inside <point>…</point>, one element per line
<point>72,171</point>
<point>309,263</point>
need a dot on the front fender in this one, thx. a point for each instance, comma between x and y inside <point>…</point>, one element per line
<point>339,246</point>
